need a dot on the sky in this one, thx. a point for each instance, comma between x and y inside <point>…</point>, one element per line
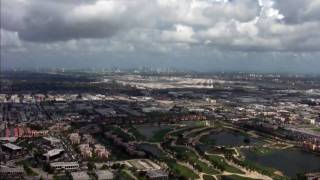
<point>200,35</point>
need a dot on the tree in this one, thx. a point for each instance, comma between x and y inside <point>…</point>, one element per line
<point>91,166</point>
<point>104,167</point>
<point>246,140</point>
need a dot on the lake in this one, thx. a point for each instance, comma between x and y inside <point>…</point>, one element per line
<point>290,161</point>
<point>231,138</point>
<point>149,130</point>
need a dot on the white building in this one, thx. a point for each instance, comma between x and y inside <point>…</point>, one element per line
<point>75,138</point>
<point>65,165</point>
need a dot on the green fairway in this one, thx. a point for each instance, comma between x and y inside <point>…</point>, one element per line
<point>181,170</point>
<point>235,177</point>
<point>160,134</point>
<point>185,154</point>
<point>222,164</point>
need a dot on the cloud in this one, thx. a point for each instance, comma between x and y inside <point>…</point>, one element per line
<point>163,25</point>
<point>299,11</point>
<point>181,33</point>
<point>45,20</point>
<point>10,41</point>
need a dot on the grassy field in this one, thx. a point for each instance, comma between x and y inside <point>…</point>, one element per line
<point>205,140</point>
<point>124,174</point>
<point>120,133</point>
<point>187,155</point>
<point>183,130</point>
<point>197,132</point>
<point>160,134</point>
<point>181,170</point>
<point>316,129</point>
<point>137,134</point>
<point>220,161</point>
<point>235,177</point>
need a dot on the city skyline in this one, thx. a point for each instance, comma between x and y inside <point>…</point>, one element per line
<point>202,35</point>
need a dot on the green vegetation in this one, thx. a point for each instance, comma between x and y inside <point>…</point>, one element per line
<point>136,133</point>
<point>222,150</point>
<point>257,167</point>
<point>183,130</point>
<point>262,150</point>
<point>124,174</point>
<point>152,150</point>
<point>316,129</point>
<point>62,177</point>
<point>207,177</point>
<point>220,163</point>
<point>122,134</point>
<point>29,171</point>
<point>187,155</point>
<point>199,131</point>
<point>159,135</point>
<point>235,177</point>
<point>206,140</point>
<point>181,170</point>
<point>27,168</point>
<point>117,153</point>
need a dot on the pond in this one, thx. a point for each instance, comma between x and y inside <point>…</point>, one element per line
<point>149,130</point>
<point>289,162</point>
<point>152,149</point>
<point>230,138</point>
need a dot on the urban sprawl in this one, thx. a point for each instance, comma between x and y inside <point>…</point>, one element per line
<point>158,125</point>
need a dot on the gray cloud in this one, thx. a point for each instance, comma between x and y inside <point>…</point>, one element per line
<point>299,11</point>
<point>160,28</point>
<point>46,20</point>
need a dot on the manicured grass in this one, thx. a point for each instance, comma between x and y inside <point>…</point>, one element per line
<point>120,133</point>
<point>220,162</point>
<point>259,168</point>
<point>316,129</point>
<point>205,140</point>
<point>137,134</point>
<point>235,177</point>
<point>187,155</point>
<point>197,132</point>
<point>183,130</point>
<point>124,174</point>
<point>159,135</point>
<point>181,170</point>
<point>224,151</point>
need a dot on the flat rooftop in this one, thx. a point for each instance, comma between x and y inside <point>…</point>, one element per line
<point>64,164</point>
<point>12,146</point>
<point>53,152</point>
<point>81,175</point>
<point>52,139</point>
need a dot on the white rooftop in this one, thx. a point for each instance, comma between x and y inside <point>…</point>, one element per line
<point>51,139</point>
<point>82,175</point>
<point>53,152</point>
<point>12,146</point>
<point>64,164</point>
